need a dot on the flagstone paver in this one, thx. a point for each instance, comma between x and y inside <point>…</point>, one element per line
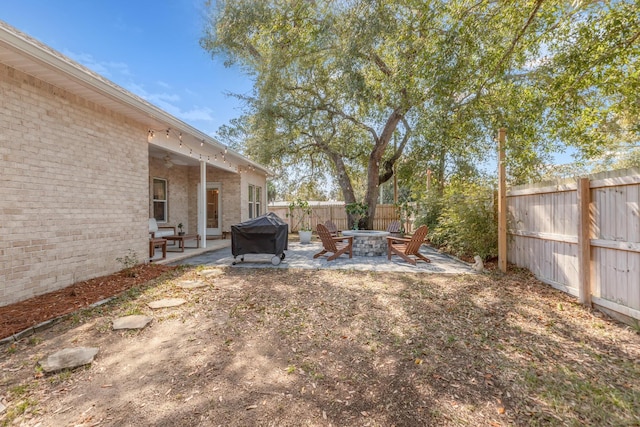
<point>69,358</point>
<point>211,273</point>
<point>166,303</point>
<point>136,321</point>
<point>191,284</point>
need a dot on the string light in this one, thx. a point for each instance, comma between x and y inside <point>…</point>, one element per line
<point>231,167</point>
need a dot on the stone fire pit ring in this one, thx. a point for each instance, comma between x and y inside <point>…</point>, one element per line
<point>368,242</point>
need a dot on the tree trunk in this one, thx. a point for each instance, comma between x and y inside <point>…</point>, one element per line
<point>373,170</point>
<point>344,181</point>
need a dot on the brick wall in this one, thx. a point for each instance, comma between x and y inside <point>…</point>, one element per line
<point>229,191</point>
<point>74,185</point>
<point>177,193</point>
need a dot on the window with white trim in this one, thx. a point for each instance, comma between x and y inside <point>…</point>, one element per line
<point>251,199</point>
<point>258,201</point>
<point>160,199</point>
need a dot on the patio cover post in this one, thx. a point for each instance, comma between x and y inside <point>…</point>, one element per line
<point>202,215</point>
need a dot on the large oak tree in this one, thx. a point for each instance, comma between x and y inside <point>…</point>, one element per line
<point>353,86</point>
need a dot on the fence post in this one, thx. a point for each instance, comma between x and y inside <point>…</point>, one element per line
<point>584,241</point>
<point>502,202</point>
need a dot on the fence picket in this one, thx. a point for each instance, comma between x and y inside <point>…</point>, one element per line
<point>336,212</point>
<point>544,236</point>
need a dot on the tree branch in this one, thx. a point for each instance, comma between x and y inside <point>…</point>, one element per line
<point>387,166</point>
<point>511,48</point>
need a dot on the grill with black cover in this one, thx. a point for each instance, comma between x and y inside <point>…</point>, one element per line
<point>266,234</point>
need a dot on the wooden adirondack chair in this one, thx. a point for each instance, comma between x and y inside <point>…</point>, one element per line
<point>408,247</point>
<point>394,226</point>
<point>333,230</point>
<point>335,245</point>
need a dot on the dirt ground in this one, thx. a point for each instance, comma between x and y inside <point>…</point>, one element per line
<point>290,348</point>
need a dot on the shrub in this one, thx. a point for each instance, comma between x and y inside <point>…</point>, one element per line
<point>466,224</point>
<point>429,211</point>
<point>128,262</point>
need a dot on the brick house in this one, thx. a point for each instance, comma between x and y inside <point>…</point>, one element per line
<point>84,164</point>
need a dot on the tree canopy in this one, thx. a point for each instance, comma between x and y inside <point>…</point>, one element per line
<point>357,90</point>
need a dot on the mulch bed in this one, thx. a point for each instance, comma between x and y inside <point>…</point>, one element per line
<point>15,318</point>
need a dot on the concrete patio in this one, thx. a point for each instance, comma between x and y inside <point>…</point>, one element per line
<point>174,255</point>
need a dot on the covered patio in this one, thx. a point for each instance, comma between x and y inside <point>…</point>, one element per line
<point>199,184</point>
<point>175,256</point>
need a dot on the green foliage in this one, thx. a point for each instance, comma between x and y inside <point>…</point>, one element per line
<point>429,210</point>
<point>356,211</point>
<point>466,225</point>
<point>355,92</point>
<point>129,261</point>
<point>404,211</point>
<point>300,214</point>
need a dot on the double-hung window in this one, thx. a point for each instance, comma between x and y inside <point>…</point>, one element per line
<point>258,201</point>
<point>160,199</point>
<point>251,199</point>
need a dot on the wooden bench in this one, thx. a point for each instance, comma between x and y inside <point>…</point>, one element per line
<point>155,241</point>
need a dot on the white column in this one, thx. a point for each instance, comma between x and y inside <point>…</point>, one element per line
<point>202,215</point>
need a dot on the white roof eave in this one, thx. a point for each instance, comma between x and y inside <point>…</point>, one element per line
<point>26,54</point>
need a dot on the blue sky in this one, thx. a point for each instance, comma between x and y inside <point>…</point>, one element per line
<point>148,47</point>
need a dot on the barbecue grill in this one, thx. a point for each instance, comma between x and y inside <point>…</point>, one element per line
<point>266,234</point>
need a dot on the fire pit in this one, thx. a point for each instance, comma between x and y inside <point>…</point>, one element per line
<point>368,242</point>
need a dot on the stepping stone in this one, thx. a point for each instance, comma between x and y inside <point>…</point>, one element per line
<point>191,284</point>
<point>131,322</point>
<point>69,358</point>
<point>166,303</point>
<point>211,273</point>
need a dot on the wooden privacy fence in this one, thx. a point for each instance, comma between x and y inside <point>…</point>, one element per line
<point>581,236</point>
<point>336,212</point>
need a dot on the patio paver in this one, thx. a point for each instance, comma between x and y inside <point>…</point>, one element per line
<point>301,256</point>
